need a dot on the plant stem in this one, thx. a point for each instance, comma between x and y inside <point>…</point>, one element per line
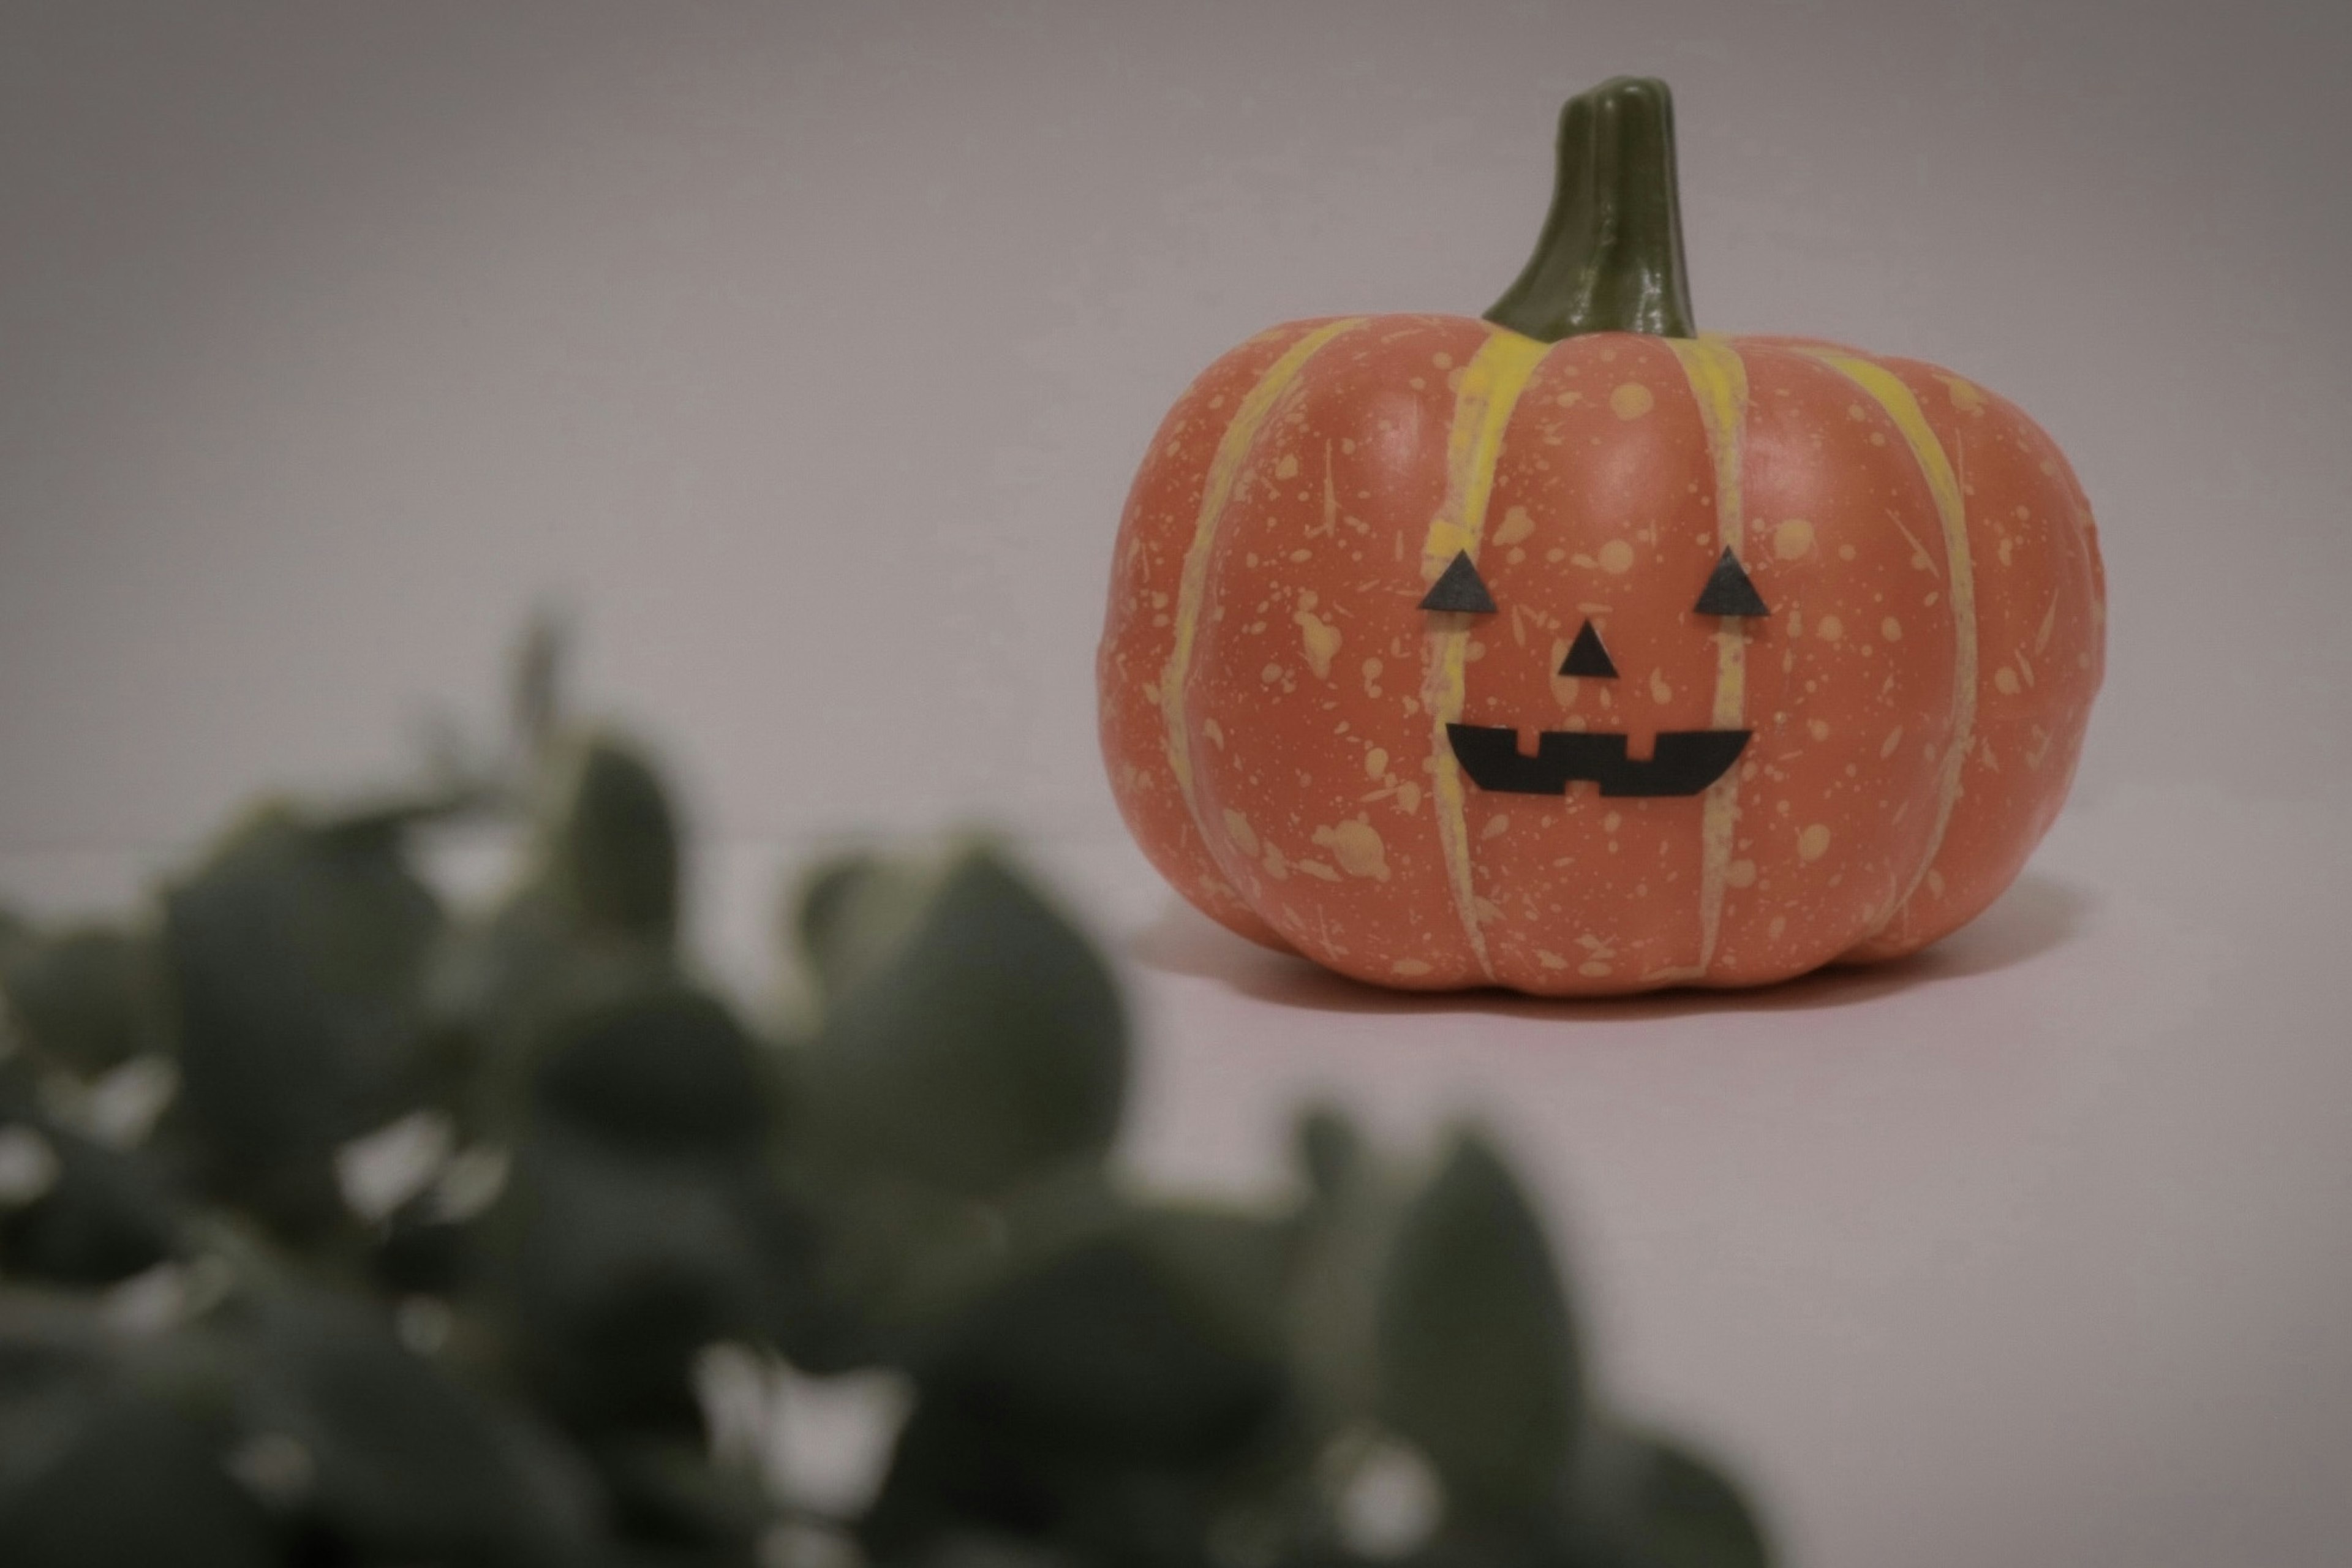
<point>1610,258</point>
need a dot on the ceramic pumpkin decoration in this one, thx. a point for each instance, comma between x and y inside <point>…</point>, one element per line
<point>1569,650</point>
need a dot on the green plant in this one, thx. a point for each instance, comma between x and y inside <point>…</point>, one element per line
<point>339,1226</point>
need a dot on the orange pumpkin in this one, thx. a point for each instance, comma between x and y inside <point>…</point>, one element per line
<point>1569,650</point>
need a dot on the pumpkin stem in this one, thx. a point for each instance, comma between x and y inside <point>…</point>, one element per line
<point>1610,258</point>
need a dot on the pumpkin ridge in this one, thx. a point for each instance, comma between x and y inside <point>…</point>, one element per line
<point>1886,389</point>
<point>1232,448</point>
<point>1718,381</point>
<point>1491,383</point>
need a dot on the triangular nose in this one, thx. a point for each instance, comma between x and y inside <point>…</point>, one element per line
<point>1587,657</point>
<point>1728,592</point>
<point>1459,587</point>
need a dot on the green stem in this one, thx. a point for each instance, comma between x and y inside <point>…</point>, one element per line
<point>1610,258</point>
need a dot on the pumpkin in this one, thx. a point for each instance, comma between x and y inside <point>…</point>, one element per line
<point>1570,650</point>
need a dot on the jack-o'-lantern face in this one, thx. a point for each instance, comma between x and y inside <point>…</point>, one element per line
<point>1683,763</point>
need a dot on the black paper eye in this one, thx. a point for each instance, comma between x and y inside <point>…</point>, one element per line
<point>1587,657</point>
<point>1459,587</point>
<point>1728,592</point>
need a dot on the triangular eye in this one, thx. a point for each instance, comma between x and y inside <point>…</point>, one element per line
<point>1459,587</point>
<point>1587,657</point>
<point>1728,592</point>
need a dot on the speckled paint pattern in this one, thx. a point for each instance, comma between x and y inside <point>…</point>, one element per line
<point>1274,702</point>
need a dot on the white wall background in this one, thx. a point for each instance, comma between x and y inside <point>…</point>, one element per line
<point>804,351</point>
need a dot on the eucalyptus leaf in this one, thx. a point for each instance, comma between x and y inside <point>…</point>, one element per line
<point>664,1071</point>
<point>1346,1232</point>
<point>421,1251</point>
<point>854,913</point>
<point>105,1216</point>
<point>499,987</point>
<point>961,1490</point>
<point>398,1462</point>
<point>85,1000</point>
<point>950,1478</point>
<point>1642,1500</point>
<point>1091,1404</point>
<point>20,1095</point>
<point>1233,1267</point>
<point>593,922</point>
<point>617,1269</point>
<point>889,1264</point>
<point>668,1497</point>
<point>1693,1517</point>
<point>645,1221</point>
<point>987,1045</point>
<point>975,1548</point>
<point>16,934</point>
<point>535,698</point>
<point>134,1485</point>
<point>54,1379</point>
<point>609,855</point>
<point>800,1305</point>
<point>297,957</point>
<point>1476,1353</point>
<point>1330,1152</point>
<point>1107,1349</point>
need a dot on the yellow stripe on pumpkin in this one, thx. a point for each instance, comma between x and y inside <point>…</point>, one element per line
<point>1225,468</point>
<point>1886,389</point>
<point>1718,380</point>
<point>1491,384</point>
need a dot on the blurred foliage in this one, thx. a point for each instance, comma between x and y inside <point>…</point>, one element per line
<point>343,1224</point>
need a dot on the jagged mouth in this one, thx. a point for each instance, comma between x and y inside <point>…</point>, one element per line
<point>1683,762</point>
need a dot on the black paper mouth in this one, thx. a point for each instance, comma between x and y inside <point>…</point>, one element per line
<point>1684,763</point>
